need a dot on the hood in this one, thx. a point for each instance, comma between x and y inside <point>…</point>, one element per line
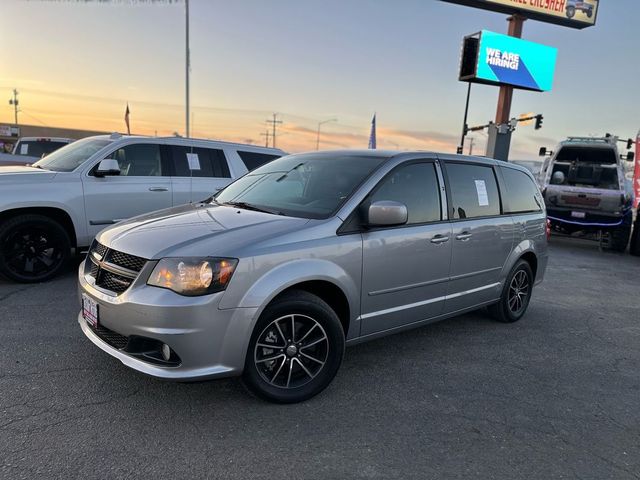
<point>15,174</point>
<point>196,230</point>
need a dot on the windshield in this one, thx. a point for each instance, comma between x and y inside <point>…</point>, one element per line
<point>308,185</point>
<point>38,148</point>
<point>70,157</point>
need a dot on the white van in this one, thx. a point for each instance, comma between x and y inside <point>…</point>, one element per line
<point>61,202</point>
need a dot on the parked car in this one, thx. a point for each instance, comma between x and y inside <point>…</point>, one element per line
<point>60,203</point>
<point>31,149</point>
<point>586,192</point>
<point>272,277</point>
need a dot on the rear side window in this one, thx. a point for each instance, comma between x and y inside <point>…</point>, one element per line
<point>253,160</point>
<point>474,191</point>
<point>205,162</point>
<point>416,186</point>
<point>38,148</point>
<point>521,194</point>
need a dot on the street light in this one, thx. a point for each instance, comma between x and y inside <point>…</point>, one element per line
<point>319,125</point>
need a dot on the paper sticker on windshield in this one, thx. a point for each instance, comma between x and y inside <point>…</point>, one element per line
<point>24,149</point>
<point>194,161</point>
<point>481,190</point>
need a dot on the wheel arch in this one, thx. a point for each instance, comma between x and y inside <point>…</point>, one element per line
<point>57,214</point>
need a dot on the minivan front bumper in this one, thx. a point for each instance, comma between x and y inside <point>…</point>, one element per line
<point>206,342</point>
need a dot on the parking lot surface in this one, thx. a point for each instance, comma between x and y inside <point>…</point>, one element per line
<point>556,395</point>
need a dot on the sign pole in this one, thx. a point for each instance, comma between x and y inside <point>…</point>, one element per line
<point>464,121</point>
<point>500,132</point>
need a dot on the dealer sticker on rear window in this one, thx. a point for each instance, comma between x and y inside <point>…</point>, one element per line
<point>481,190</point>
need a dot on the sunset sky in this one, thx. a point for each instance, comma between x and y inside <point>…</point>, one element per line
<point>76,64</point>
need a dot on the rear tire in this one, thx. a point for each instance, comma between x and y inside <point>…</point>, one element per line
<point>33,248</point>
<point>516,294</point>
<point>619,239</point>
<point>295,349</point>
<point>571,11</point>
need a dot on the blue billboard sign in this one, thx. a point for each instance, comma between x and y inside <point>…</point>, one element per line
<point>504,60</point>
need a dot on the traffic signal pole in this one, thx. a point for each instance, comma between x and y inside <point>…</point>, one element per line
<point>500,132</point>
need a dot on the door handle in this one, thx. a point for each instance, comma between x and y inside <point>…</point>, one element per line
<point>464,236</point>
<point>158,189</point>
<point>439,239</point>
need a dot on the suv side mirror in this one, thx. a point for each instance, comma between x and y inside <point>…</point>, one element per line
<point>108,167</point>
<point>386,213</point>
<point>630,156</point>
<point>542,152</point>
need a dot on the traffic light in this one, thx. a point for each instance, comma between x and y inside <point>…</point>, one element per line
<point>538,122</point>
<point>630,143</point>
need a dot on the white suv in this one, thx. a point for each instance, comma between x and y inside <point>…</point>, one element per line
<point>61,202</point>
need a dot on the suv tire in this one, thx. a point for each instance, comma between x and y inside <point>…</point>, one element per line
<point>516,294</point>
<point>33,248</point>
<point>571,11</point>
<point>300,364</point>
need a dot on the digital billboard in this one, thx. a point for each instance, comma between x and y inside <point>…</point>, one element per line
<point>570,13</point>
<point>495,59</point>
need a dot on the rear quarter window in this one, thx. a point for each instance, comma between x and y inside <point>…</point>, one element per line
<point>521,193</point>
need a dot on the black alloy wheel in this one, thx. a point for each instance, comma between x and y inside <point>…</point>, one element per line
<point>516,294</point>
<point>33,248</point>
<point>295,350</point>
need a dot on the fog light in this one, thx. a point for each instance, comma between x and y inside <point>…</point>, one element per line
<point>166,352</point>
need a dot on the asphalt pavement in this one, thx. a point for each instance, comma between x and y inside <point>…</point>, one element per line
<point>556,395</point>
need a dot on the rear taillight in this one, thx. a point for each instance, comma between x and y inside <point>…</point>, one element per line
<point>548,229</point>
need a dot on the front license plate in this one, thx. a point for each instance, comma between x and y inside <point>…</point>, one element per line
<point>90,310</point>
<point>578,214</point>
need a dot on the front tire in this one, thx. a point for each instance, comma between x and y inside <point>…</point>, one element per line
<point>295,349</point>
<point>33,248</point>
<point>516,294</point>
<point>571,11</point>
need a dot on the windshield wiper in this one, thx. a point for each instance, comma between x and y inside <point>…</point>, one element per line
<point>249,206</point>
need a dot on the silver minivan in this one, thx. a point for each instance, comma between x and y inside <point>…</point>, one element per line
<point>275,274</point>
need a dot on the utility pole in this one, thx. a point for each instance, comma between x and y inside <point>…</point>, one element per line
<point>266,134</point>
<point>471,140</point>
<point>273,123</point>
<point>14,102</point>
<point>187,67</point>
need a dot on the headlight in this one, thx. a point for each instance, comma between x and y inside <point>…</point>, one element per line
<point>193,276</point>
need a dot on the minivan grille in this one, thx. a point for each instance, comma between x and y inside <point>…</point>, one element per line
<point>113,270</point>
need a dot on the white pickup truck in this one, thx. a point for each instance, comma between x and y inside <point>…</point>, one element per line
<point>58,205</point>
<point>31,149</point>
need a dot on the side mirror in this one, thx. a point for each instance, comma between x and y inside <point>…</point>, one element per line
<point>557,178</point>
<point>542,152</point>
<point>108,167</point>
<point>386,213</point>
<point>630,156</point>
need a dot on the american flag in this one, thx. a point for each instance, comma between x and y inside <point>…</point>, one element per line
<point>372,136</point>
<point>126,119</point>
